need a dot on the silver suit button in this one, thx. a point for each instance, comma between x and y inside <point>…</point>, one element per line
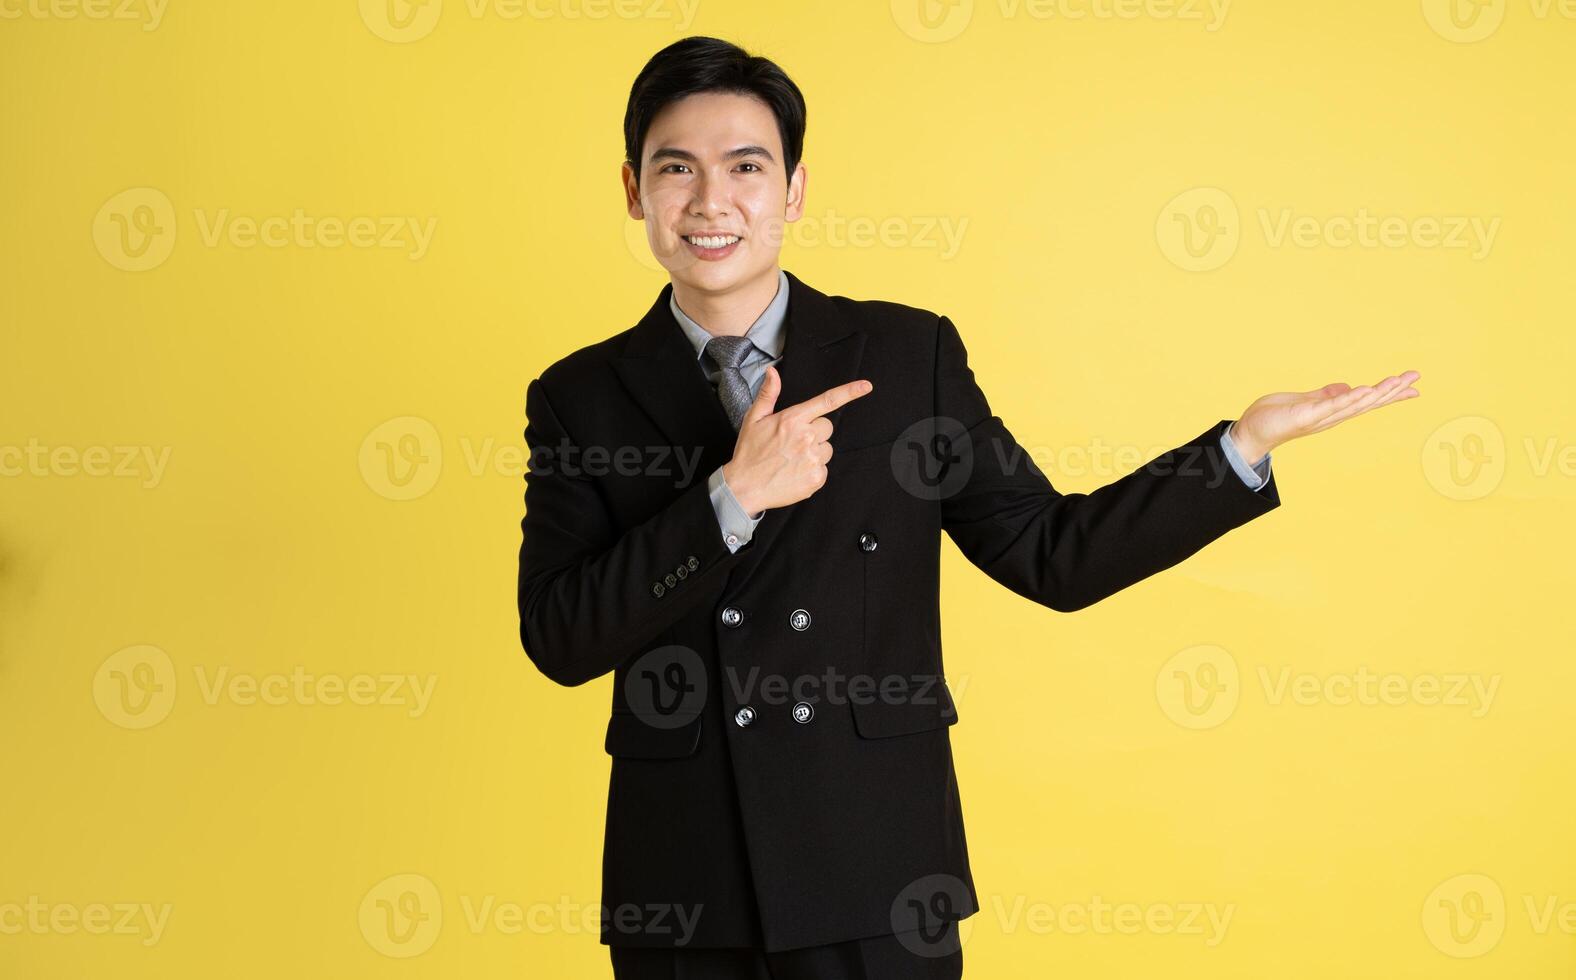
<point>799,619</point>
<point>744,717</point>
<point>868,542</point>
<point>732,617</point>
<point>803,712</point>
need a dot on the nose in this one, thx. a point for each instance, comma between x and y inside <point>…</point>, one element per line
<point>711,196</point>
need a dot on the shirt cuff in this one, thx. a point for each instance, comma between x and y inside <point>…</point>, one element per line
<point>737,526</point>
<point>1256,475</point>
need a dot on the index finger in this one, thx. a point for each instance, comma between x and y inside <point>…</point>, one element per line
<point>834,398</point>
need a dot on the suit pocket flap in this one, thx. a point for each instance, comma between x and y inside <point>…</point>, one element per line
<point>923,708</point>
<point>629,736</point>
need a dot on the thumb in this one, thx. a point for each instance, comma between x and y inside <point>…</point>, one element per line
<point>766,399</point>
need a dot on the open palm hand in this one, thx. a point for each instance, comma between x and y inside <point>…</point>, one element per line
<point>1284,415</point>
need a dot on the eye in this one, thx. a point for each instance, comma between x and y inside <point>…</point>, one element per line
<point>748,164</point>
<point>671,166</point>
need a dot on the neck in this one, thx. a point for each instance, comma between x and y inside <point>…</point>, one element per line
<point>729,312</point>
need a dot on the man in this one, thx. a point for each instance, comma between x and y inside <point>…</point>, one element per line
<point>782,800</point>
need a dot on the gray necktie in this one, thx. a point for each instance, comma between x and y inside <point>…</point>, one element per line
<point>728,353</point>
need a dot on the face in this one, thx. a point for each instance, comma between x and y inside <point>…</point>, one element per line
<point>713,163</point>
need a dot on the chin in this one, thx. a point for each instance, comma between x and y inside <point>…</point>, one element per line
<point>712,276</point>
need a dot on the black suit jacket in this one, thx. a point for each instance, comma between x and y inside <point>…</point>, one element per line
<point>834,813</point>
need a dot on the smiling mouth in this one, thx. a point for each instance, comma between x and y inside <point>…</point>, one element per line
<point>711,241</point>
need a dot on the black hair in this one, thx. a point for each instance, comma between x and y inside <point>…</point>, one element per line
<point>708,64</point>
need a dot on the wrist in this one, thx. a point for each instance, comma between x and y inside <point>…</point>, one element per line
<point>1251,450</point>
<point>740,494</point>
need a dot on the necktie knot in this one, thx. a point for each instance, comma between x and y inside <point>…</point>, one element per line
<point>728,352</point>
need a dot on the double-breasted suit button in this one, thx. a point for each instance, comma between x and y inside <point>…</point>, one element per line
<point>799,620</point>
<point>670,580</point>
<point>803,712</point>
<point>744,717</point>
<point>692,562</point>
<point>867,542</point>
<point>732,616</point>
<point>657,589</point>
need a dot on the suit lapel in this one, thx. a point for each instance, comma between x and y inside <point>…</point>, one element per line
<point>663,375</point>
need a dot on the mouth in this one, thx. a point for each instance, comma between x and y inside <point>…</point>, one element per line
<point>712,247</point>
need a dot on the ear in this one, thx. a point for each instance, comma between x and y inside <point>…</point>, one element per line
<point>631,192</point>
<point>796,187</point>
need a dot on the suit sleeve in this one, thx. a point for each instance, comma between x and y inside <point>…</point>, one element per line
<point>1070,550</point>
<point>591,597</point>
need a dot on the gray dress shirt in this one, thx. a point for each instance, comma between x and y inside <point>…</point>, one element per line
<point>766,339</point>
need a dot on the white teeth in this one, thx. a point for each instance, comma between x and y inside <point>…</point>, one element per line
<point>714,241</point>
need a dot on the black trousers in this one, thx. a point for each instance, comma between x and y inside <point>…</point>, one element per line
<point>906,957</point>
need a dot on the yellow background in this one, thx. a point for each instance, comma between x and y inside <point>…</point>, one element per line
<point>1427,541</point>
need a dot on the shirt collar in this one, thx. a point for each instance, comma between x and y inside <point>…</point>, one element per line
<point>766,333</point>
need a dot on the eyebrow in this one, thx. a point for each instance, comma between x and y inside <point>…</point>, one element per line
<point>674,153</point>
